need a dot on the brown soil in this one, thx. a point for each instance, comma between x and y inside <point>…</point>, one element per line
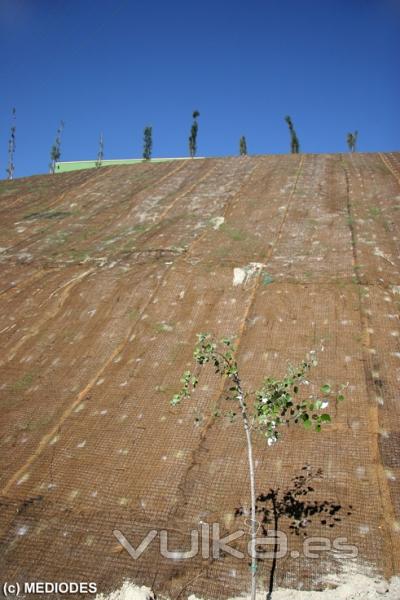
<point>106,277</point>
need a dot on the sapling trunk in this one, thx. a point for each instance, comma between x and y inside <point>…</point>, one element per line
<point>253,530</point>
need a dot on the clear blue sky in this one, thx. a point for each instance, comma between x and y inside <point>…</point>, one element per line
<point>118,65</point>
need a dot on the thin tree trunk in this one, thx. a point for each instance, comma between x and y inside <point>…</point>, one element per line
<point>253,530</point>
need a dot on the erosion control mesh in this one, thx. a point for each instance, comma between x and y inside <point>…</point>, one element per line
<point>106,277</point>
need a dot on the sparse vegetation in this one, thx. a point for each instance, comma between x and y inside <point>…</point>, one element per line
<point>232,232</point>
<point>374,211</point>
<point>133,314</point>
<point>47,214</point>
<point>23,383</point>
<point>163,327</point>
<point>275,404</point>
<point>78,255</point>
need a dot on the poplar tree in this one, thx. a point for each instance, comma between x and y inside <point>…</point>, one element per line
<point>193,135</point>
<point>55,152</point>
<point>352,141</point>
<point>242,146</point>
<point>294,140</point>
<point>147,142</point>
<point>11,147</point>
<point>100,154</point>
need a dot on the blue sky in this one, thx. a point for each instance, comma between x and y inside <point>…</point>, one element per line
<point>116,66</point>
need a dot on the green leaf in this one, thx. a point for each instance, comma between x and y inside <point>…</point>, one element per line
<point>325,418</point>
<point>307,424</point>
<point>231,415</point>
<point>186,377</point>
<point>325,389</point>
<point>176,400</point>
<point>340,397</point>
<point>266,279</point>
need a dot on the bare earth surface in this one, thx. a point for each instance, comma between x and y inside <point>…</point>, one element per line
<point>105,278</point>
<point>357,587</point>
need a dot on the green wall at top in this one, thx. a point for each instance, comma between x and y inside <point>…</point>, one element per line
<point>63,167</point>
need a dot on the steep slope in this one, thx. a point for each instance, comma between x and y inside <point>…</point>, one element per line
<point>106,277</point>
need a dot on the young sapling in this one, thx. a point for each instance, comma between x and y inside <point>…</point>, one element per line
<point>265,411</point>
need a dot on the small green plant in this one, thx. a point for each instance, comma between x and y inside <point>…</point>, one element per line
<point>78,255</point>
<point>374,211</point>
<point>163,327</point>
<point>193,134</point>
<point>242,146</point>
<point>294,140</point>
<point>133,314</point>
<point>55,152</point>
<point>147,142</point>
<point>23,383</point>
<point>267,278</point>
<point>233,233</point>
<point>277,403</point>
<point>352,141</point>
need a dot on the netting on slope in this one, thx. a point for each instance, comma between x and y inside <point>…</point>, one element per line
<point>93,360</point>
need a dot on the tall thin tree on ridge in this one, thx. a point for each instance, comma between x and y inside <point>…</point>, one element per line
<point>242,146</point>
<point>100,153</point>
<point>193,135</point>
<point>352,141</point>
<point>55,152</point>
<point>147,142</point>
<point>11,147</point>
<point>294,140</point>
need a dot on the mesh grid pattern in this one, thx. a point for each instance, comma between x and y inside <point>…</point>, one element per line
<point>107,277</point>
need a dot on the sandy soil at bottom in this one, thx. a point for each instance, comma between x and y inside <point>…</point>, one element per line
<point>357,587</point>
